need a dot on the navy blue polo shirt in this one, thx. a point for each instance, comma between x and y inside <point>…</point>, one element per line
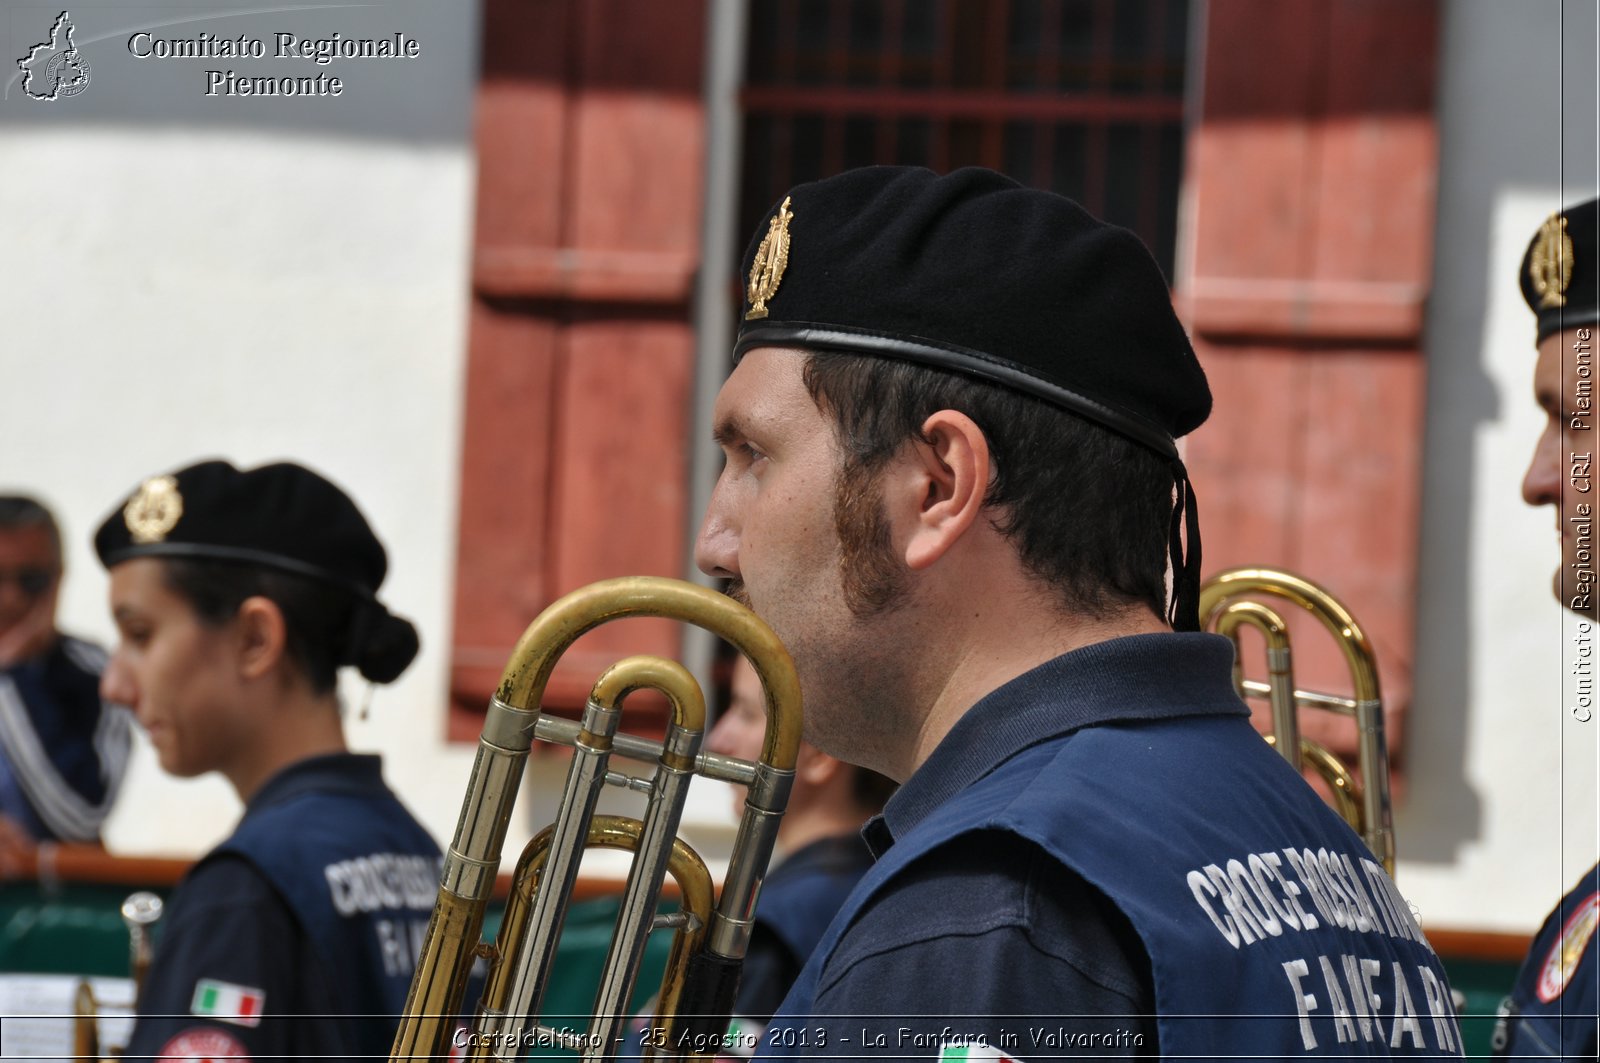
<point>1051,883</point>
<point>1048,943</point>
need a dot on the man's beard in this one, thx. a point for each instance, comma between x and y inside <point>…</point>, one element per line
<point>870,574</point>
<point>843,672</point>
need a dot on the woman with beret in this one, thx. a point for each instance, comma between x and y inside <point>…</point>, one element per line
<point>238,595</point>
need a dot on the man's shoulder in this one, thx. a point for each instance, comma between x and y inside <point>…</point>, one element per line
<point>1589,883</point>
<point>985,871</point>
<point>998,884</point>
<point>1564,946</point>
<point>993,926</point>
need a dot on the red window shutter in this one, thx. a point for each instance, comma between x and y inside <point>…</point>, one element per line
<point>574,449</point>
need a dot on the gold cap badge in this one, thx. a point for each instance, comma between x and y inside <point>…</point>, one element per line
<point>1550,262</point>
<point>154,509</point>
<point>771,258</point>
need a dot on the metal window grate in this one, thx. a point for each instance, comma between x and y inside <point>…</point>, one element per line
<point>1084,97</point>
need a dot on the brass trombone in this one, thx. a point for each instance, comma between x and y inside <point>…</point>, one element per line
<point>702,971</point>
<point>1229,601</point>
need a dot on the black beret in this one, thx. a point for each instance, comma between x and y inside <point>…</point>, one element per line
<point>1559,277</point>
<point>281,516</point>
<point>975,273</point>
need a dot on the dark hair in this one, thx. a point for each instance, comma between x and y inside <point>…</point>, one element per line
<point>22,511</point>
<point>1088,510</point>
<point>326,626</point>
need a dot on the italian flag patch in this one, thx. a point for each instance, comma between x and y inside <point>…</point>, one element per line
<point>226,1002</point>
<point>973,1054</point>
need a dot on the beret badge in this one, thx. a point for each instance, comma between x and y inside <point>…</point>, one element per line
<point>154,509</point>
<point>772,257</point>
<point>1550,262</point>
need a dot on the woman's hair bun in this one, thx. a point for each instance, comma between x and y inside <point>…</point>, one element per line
<point>390,645</point>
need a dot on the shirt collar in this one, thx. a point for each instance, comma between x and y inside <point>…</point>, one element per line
<point>1136,677</point>
<point>347,772</point>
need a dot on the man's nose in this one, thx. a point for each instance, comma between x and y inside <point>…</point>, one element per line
<point>716,547</point>
<point>1541,485</point>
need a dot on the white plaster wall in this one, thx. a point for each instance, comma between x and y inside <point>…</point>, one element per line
<point>185,277</point>
<point>1500,814</point>
<point>253,297</point>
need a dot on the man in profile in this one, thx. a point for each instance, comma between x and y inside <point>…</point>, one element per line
<point>63,750</point>
<point>952,486</point>
<point>1551,1012</point>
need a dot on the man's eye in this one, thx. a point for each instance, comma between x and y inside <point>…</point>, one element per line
<point>741,454</point>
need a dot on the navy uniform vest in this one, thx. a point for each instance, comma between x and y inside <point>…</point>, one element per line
<point>1271,929</point>
<point>360,874</point>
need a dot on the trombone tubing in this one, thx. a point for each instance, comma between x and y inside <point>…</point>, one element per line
<point>473,858</point>
<point>1359,657</point>
<point>530,973</point>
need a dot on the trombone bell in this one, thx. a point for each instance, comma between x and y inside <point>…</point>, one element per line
<point>1234,599</point>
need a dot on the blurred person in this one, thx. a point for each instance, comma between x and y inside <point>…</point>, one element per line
<point>952,487</point>
<point>821,854</point>
<point>237,596</point>
<point>63,751</point>
<point>1551,1012</point>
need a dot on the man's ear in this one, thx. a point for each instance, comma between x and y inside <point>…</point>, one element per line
<point>944,481</point>
<point>814,767</point>
<point>261,636</point>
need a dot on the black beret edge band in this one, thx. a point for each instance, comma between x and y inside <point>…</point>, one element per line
<point>1554,321</point>
<point>207,552</point>
<point>961,359</point>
